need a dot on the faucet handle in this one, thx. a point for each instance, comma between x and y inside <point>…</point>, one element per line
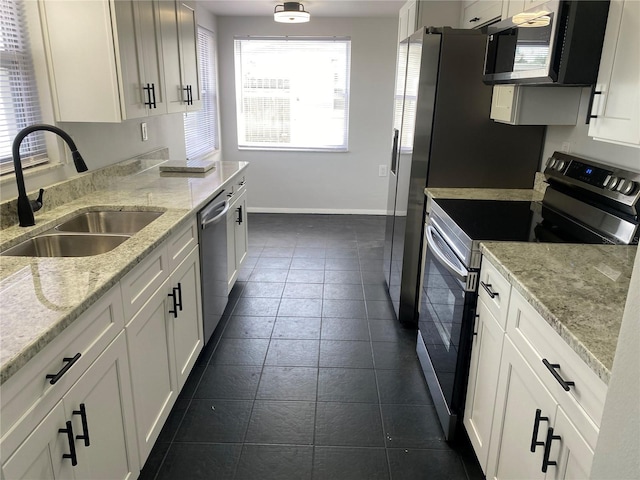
<point>37,203</point>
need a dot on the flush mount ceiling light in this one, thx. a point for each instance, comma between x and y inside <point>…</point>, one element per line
<point>291,12</point>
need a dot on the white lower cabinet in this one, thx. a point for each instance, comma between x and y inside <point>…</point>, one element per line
<point>483,380</point>
<point>237,234</point>
<point>89,433</point>
<point>533,405</point>
<point>164,339</point>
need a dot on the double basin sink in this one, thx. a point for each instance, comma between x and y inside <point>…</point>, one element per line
<point>86,234</point>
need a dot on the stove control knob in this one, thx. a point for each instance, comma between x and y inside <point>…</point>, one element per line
<point>552,163</point>
<point>560,164</point>
<point>626,187</point>
<point>613,183</point>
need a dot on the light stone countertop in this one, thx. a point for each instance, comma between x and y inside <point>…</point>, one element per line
<point>580,290</point>
<point>40,297</point>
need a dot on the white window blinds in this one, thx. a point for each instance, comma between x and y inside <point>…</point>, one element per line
<point>19,102</point>
<point>201,127</point>
<point>293,93</point>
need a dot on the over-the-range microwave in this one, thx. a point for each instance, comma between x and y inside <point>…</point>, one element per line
<point>558,42</point>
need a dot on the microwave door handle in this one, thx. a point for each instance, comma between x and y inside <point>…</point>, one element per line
<point>457,271</point>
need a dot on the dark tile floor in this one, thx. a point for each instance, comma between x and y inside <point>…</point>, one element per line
<point>309,375</point>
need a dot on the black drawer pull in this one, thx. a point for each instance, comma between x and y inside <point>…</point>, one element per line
<point>489,290</point>
<point>239,219</point>
<point>547,450</point>
<point>474,19</point>
<point>85,427</point>
<point>57,376</point>
<point>536,426</point>
<point>174,296</point>
<point>72,445</point>
<point>553,367</point>
<point>179,289</point>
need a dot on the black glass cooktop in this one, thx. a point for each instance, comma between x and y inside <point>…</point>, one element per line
<point>514,221</point>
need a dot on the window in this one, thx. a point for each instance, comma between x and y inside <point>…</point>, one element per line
<point>19,101</point>
<point>201,127</point>
<point>293,93</point>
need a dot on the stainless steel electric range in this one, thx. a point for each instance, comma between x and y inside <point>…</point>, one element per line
<point>585,202</point>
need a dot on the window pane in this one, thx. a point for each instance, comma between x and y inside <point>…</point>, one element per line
<point>293,93</point>
<point>201,127</point>
<point>19,101</point>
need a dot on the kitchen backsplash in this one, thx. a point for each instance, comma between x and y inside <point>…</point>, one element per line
<point>78,186</point>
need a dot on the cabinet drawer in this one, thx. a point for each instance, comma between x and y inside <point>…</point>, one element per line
<point>140,283</point>
<point>538,341</point>
<point>181,243</point>
<point>494,290</point>
<point>30,391</point>
<point>480,13</point>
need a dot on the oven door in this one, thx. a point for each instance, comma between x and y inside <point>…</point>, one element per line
<point>448,302</point>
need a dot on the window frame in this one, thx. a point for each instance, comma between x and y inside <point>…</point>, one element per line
<point>243,144</point>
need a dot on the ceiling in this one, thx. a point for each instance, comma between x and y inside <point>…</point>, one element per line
<point>318,8</point>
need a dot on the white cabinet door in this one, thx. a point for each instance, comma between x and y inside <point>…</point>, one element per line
<point>185,325</point>
<point>152,369</point>
<point>232,270</point>
<point>188,31</point>
<point>180,54</point>
<point>241,227</point>
<point>41,455</point>
<point>101,410</point>
<point>486,353</point>
<point>520,396</point>
<point>407,20</point>
<point>139,42</point>
<point>571,451</point>
<point>617,107</point>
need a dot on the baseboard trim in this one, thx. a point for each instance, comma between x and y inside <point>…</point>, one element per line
<point>325,211</point>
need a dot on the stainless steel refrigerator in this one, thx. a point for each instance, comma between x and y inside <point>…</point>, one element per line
<point>443,137</point>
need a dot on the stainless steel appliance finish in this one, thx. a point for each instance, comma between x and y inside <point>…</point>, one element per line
<point>580,206</point>
<point>557,42</point>
<point>443,137</point>
<point>212,236</point>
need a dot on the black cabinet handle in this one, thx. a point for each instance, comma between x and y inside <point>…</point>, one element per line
<point>553,367</point>
<point>179,290</point>
<point>474,19</point>
<point>72,445</point>
<point>239,219</point>
<point>186,89</point>
<point>153,93</point>
<point>174,296</point>
<point>488,289</point>
<point>85,427</point>
<point>594,92</point>
<point>54,377</point>
<point>190,96</point>
<point>536,426</point>
<point>147,90</point>
<point>475,325</point>
<point>547,450</point>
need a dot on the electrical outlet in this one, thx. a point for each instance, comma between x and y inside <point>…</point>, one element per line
<point>566,147</point>
<point>143,128</point>
<point>382,170</point>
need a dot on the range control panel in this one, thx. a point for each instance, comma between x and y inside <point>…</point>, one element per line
<point>578,171</point>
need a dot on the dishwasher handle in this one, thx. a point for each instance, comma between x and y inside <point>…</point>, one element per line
<point>206,221</point>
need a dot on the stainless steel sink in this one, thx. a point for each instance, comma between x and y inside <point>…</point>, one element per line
<point>66,245</point>
<point>109,222</point>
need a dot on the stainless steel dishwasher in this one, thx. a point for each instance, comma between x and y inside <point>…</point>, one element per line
<point>212,235</point>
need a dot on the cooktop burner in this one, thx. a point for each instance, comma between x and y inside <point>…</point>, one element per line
<point>493,219</point>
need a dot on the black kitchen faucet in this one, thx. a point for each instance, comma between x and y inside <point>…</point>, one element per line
<point>26,207</point>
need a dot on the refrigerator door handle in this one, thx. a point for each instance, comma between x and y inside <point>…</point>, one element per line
<point>394,152</point>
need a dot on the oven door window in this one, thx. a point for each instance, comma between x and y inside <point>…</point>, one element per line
<point>444,312</point>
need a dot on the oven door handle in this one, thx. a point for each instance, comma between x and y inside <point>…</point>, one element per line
<point>436,243</point>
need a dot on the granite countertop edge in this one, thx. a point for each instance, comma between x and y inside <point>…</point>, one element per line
<point>129,254</point>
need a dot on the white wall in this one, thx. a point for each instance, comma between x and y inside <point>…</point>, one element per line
<point>617,454</point>
<point>318,181</point>
<point>584,146</point>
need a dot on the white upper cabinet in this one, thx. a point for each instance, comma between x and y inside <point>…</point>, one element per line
<point>108,67</point>
<point>480,13</point>
<point>616,108</point>
<point>180,54</point>
<point>407,20</point>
